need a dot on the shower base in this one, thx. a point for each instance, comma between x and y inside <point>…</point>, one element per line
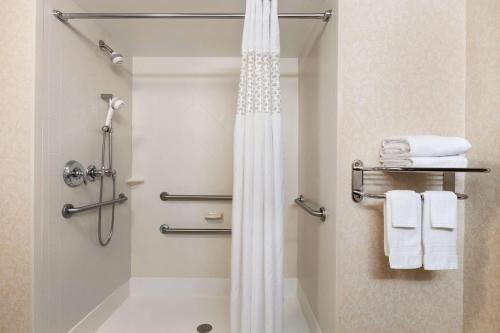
<point>181,305</point>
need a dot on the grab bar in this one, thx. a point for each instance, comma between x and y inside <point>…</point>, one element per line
<point>321,213</point>
<point>68,209</point>
<point>165,229</point>
<point>165,196</point>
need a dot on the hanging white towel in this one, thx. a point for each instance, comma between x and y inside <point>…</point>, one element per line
<point>423,145</point>
<point>439,230</point>
<point>402,229</point>
<point>458,161</point>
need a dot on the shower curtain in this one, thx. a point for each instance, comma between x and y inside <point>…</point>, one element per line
<point>257,243</point>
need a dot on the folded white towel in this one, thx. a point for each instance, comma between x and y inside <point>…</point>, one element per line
<point>458,161</point>
<point>423,145</point>
<point>439,230</point>
<point>402,229</point>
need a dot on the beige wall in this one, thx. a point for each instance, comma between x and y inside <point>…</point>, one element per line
<point>73,272</point>
<point>401,72</point>
<point>17,71</point>
<point>482,236</point>
<point>183,144</point>
<point>317,171</point>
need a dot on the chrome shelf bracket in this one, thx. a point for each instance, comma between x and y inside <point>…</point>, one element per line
<point>358,170</point>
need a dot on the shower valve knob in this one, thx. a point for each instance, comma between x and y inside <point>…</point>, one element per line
<point>73,174</point>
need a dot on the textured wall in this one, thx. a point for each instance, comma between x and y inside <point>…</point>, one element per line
<point>401,72</point>
<point>482,236</point>
<point>317,170</point>
<point>74,273</point>
<point>16,161</point>
<point>183,143</point>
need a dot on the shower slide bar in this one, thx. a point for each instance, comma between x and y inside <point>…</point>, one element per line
<point>68,209</point>
<point>325,16</point>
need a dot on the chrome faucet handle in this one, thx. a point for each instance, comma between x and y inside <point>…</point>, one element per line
<point>91,172</point>
<point>73,174</point>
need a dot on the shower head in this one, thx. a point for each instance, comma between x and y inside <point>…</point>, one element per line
<point>116,104</point>
<point>115,57</point>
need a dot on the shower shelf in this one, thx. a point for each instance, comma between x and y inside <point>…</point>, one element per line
<point>358,170</point>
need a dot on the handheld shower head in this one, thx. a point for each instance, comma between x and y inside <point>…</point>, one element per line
<point>114,105</point>
<point>115,57</point>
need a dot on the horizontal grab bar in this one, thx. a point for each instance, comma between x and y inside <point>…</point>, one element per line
<point>68,209</point>
<point>165,196</point>
<point>321,213</point>
<point>165,229</point>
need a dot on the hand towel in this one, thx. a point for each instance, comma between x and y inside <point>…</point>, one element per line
<point>423,145</point>
<point>458,161</point>
<point>439,230</point>
<point>402,229</point>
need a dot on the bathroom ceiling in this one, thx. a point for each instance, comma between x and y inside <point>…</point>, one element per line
<point>196,38</point>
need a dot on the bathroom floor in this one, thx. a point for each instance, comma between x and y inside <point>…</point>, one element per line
<point>178,313</point>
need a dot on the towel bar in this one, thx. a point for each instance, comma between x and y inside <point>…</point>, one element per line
<point>460,196</point>
<point>358,170</point>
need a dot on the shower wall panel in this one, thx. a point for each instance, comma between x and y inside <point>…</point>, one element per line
<point>317,172</point>
<point>182,143</point>
<point>73,271</point>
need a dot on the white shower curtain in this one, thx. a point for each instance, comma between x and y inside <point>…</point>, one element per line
<point>257,243</point>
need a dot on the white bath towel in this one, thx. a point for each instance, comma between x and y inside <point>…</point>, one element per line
<point>423,145</point>
<point>402,229</point>
<point>458,161</point>
<point>439,230</point>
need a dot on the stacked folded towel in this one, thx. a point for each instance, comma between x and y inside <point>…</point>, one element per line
<point>424,151</point>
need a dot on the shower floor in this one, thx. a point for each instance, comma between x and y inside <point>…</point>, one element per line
<point>180,305</point>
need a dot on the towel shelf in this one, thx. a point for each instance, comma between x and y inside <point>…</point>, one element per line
<point>358,170</point>
<point>358,166</point>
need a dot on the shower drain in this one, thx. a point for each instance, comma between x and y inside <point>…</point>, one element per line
<point>204,328</point>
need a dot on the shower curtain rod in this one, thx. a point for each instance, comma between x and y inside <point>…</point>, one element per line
<point>325,16</point>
